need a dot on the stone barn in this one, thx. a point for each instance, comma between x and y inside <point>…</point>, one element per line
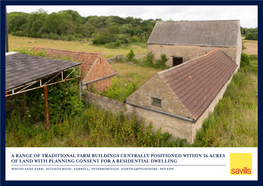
<point>184,40</point>
<point>95,68</point>
<point>180,98</point>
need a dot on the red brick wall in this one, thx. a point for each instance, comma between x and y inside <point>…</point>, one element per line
<point>101,69</point>
<point>101,85</point>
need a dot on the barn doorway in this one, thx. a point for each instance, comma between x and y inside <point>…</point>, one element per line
<point>177,61</point>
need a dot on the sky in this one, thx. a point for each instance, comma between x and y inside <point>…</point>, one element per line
<point>248,15</point>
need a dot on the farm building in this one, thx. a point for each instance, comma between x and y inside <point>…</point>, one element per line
<point>184,40</point>
<point>180,98</point>
<point>24,73</point>
<point>95,68</point>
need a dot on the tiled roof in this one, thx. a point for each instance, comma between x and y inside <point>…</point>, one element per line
<point>86,58</point>
<point>22,69</point>
<point>217,33</point>
<point>197,82</point>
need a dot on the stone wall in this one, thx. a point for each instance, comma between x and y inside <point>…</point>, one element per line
<point>175,126</point>
<point>105,103</point>
<point>100,85</point>
<point>116,58</point>
<point>188,52</point>
<point>156,88</point>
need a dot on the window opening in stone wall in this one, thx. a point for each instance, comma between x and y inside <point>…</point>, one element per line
<point>177,61</point>
<point>157,102</point>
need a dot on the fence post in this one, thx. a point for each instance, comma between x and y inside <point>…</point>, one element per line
<point>46,107</point>
<point>79,87</point>
<point>25,102</point>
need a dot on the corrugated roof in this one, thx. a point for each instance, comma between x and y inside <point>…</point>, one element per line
<point>197,82</point>
<point>218,33</point>
<point>22,69</point>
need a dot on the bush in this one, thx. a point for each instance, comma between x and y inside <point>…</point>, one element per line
<point>117,43</point>
<point>253,57</point>
<point>121,89</point>
<point>245,60</point>
<point>130,55</point>
<point>55,37</point>
<point>64,38</point>
<point>79,36</point>
<point>110,45</point>
<point>134,39</point>
<point>150,56</point>
<point>160,63</point>
<point>44,35</point>
<point>50,35</point>
<point>104,39</point>
<point>124,38</point>
<point>71,38</point>
<point>250,37</point>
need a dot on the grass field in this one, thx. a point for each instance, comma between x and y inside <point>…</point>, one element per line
<point>17,42</point>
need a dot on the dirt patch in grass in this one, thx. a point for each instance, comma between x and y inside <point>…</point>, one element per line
<point>251,47</point>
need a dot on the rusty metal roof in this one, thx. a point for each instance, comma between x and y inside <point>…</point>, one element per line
<point>22,68</point>
<point>216,33</point>
<point>197,82</point>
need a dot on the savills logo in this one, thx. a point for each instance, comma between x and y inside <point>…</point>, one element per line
<point>240,163</point>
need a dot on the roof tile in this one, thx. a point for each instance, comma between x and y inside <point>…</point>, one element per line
<point>197,82</point>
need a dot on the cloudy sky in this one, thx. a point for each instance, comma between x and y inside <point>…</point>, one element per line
<point>248,15</point>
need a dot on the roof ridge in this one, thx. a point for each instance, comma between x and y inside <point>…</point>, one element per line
<point>37,47</point>
<point>200,20</point>
<point>191,60</point>
<point>211,52</point>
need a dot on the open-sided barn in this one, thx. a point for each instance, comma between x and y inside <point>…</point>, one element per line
<point>184,40</point>
<point>96,69</point>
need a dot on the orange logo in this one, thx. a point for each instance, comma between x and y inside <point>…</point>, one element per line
<point>240,163</point>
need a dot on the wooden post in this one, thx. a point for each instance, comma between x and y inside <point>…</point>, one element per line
<point>24,100</point>
<point>46,107</point>
<point>79,82</point>
<point>79,87</point>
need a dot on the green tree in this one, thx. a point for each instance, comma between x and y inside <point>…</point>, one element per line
<point>114,30</point>
<point>35,23</point>
<point>58,22</point>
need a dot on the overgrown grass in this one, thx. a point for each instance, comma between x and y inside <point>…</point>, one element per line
<point>92,128</point>
<point>234,120</point>
<point>129,72</point>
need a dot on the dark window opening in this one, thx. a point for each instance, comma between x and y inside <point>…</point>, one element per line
<point>157,102</point>
<point>177,61</point>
